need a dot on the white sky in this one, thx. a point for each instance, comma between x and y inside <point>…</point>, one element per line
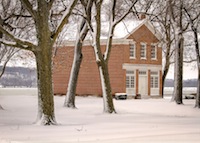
<point>189,72</point>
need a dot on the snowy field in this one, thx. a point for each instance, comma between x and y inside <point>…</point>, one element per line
<point>137,121</point>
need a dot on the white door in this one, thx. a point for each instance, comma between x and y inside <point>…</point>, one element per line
<point>143,84</point>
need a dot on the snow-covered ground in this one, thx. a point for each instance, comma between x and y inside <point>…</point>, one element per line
<point>137,121</point>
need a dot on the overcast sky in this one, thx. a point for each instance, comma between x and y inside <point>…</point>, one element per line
<point>189,72</point>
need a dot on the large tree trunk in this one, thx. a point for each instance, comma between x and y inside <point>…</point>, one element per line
<point>71,91</point>
<point>194,29</point>
<point>178,84</point>
<point>106,88</point>
<point>81,34</point>
<point>165,71</point>
<point>166,67</point>
<point>197,104</point>
<point>44,67</point>
<point>167,55</point>
<point>45,90</point>
<point>176,19</point>
<point>101,61</point>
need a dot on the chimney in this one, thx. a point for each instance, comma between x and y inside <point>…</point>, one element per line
<point>142,16</point>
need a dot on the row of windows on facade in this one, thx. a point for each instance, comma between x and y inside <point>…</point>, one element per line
<point>130,79</point>
<point>143,52</point>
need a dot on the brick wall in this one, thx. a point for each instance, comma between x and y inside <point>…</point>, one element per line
<point>88,81</point>
<point>143,34</point>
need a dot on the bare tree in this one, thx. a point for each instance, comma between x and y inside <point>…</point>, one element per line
<point>193,15</point>
<point>103,58</point>
<point>6,53</point>
<point>39,16</point>
<point>168,54</point>
<point>160,16</point>
<point>70,96</point>
<point>177,19</point>
<point>81,34</point>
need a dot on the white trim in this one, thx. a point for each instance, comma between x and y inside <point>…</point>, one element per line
<point>103,42</point>
<point>148,24</point>
<point>119,40</point>
<point>152,29</point>
<point>135,29</point>
<point>146,67</point>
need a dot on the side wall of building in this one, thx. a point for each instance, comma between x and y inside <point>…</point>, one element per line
<point>120,61</point>
<point>88,81</point>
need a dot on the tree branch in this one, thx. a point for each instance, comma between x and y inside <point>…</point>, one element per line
<point>24,44</point>
<point>17,16</point>
<point>29,7</point>
<point>5,63</point>
<point>111,31</point>
<point>64,20</point>
<point>16,45</point>
<point>112,27</point>
<point>50,3</point>
<point>3,68</point>
<point>125,14</point>
<point>189,16</point>
<point>190,61</point>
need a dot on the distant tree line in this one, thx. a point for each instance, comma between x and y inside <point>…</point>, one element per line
<point>19,77</point>
<point>186,83</point>
<point>26,77</point>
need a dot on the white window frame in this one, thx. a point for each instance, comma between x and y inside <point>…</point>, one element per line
<point>132,50</point>
<point>155,47</point>
<point>154,77</point>
<point>130,79</point>
<point>143,45</point>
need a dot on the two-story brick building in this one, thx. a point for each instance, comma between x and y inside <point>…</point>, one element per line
<point>135,65</point>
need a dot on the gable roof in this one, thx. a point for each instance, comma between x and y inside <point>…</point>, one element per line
<point>122,31</point>
<point>129,27</point>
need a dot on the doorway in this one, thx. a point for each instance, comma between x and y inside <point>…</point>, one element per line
<point>143,84</point>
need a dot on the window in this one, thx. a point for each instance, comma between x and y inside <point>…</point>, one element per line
<point>130,79</point>
<point>132,51</point>
<point>154,79</point>
<point>142,72</point>
<point>153,52</point>
<point>143,51</point>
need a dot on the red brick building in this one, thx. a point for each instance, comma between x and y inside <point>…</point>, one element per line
<point>135,65</point>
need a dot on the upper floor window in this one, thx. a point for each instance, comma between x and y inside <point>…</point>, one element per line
<point>132,51</point>
<point>143,51</point>
<point>153,52</point>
